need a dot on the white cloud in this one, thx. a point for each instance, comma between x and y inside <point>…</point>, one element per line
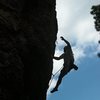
<point>75,13</point>
<point>85,32</point>
<point>78,53</point>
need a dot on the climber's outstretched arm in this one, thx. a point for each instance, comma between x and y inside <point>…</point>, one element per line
<point>60,57</point>
<point>65,41</point>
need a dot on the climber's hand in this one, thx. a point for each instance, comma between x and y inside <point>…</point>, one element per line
<point>62,38</point>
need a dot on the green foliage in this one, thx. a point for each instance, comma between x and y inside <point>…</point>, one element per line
<point>96,13</point>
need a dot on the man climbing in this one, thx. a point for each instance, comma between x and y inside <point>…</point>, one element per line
<point>68,63</point>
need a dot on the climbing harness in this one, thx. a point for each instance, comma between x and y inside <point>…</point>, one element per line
<point>53,75</point>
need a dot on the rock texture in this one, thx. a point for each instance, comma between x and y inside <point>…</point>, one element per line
<point>28,30</point>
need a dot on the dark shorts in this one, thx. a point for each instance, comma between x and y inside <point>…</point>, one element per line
<point>66,69</point>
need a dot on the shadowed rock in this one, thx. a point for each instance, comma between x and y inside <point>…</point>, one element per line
<point>28,32</point>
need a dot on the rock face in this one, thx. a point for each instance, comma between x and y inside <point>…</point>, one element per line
<point>28,30</point>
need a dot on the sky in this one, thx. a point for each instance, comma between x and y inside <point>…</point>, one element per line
<point>76,24</point>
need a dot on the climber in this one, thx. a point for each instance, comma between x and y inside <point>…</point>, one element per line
<point>68,63</point>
